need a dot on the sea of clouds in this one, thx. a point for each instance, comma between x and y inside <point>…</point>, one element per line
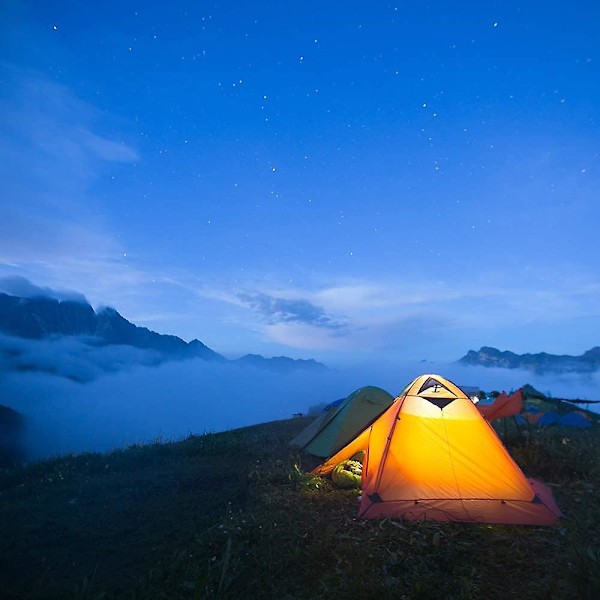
<point>77,398</point>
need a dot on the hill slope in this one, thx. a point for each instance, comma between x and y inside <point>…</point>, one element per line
<point>230,516</point>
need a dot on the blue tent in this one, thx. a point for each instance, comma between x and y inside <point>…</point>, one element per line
<point>549,418</point>
<point>574,420</point>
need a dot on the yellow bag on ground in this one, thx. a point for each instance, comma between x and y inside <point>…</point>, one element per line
<point>347,474</point>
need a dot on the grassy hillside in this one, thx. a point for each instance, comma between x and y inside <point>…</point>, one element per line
<point>233,515</point>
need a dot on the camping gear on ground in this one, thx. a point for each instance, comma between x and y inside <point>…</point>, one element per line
<point>342,421</point>
<point>432,456</point>
<point>347,474</point>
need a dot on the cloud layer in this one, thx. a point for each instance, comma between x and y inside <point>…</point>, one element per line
<point>22,287</point>
<point>176,399</point>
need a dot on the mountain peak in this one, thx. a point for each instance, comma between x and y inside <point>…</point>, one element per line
<point>541,362</point>
<point>41,317</point>
<point>281,364</point>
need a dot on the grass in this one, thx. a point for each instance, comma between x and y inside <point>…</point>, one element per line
<point>234,515</point>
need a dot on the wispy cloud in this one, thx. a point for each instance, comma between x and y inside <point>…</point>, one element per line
<point>295,310</point>
<point>415,317</point>
<point>19,286</point>
<point>50,144</point>
<point>53,228</point>
<point>51,154</point>
<point>106,149</point>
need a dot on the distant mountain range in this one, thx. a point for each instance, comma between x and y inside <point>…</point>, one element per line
<point>541,363</point>
<point>280,363</point>
<point>44,318</point>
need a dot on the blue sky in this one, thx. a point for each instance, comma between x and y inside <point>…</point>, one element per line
<point>342,180</point>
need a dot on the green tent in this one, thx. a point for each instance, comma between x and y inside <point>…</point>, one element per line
<point>340,424</point>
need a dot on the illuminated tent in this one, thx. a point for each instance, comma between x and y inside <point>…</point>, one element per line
<point>432,456</point>
<point>342,422</point>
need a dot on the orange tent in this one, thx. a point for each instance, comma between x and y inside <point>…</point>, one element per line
<point>503,406</point>
<point>432,456</point>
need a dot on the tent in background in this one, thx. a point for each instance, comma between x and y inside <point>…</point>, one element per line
<point>574,419</point>
<point>544,411</point>
<point>502,406</point>
<point>341,422</point>
<point>545,419</point>
<point>432,456</point>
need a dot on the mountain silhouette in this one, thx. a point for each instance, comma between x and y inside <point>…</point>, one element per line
<point>542,362</point>
<point>47,318</point>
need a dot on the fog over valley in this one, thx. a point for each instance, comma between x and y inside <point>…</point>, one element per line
<point>87,379</point>
<point>118,406</point>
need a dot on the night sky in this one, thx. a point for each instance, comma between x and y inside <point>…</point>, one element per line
<point>336,180</point>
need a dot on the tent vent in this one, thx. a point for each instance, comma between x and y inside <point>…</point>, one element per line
<point>441,403</point>
<point>375,498</point>
<point>432,385</point>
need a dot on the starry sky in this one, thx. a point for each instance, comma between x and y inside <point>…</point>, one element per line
<point>346,181</point>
